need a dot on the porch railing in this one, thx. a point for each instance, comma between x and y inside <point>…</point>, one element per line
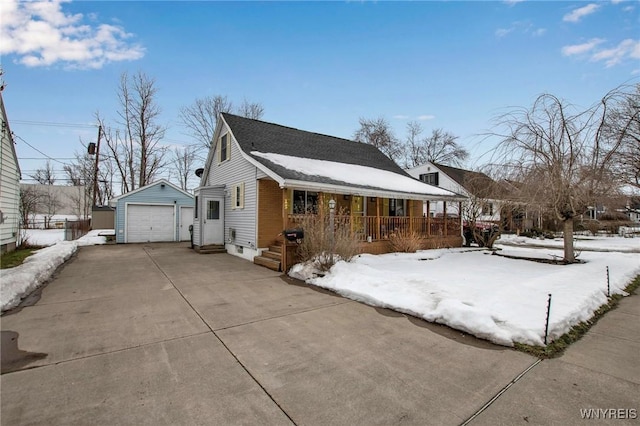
<point>381,227</point>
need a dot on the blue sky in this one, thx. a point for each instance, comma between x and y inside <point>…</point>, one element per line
<point>317,66</point>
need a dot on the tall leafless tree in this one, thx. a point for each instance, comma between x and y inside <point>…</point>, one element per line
<point>378,132</point>
<point>561,156</point>
<point>80,173</point>
<point>135,146</point>
<point>45,175</point>
<point>251,110</point>
<point>201,116</point>
<point>183,162</point>
<point>624,123</point>
<point>441,147</point>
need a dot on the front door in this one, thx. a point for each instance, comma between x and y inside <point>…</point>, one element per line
<point>213,223</point>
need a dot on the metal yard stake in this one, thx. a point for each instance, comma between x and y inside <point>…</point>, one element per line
<point>546,328</point>
<point>608,284</point>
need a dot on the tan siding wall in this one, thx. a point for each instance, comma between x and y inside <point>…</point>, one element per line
<point>269,212</point>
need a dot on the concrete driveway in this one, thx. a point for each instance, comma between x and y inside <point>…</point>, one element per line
<point>157,334</point>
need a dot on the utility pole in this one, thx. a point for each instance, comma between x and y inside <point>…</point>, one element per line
<point>95,172</point>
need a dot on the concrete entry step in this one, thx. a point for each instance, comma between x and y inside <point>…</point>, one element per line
<point>211,248</point>
<point>267,262</point>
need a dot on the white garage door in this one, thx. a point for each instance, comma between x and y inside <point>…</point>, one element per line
<point>186,219</point>
<point>150,223</point>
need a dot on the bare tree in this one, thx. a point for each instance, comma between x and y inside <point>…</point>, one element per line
<point>624,123</point>
<point>49,203</point>
<point>253,110</point>
<point>201,117</point>
<point>80,173</point>
<point>29,201</point>
<point>441,147</point>
<point>378,132</point>
<point>45,175</point>
<point>560,155</point>
<point>135,146</point>
<point>183,160</point>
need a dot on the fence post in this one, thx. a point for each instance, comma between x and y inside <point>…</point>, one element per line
<point>546,328</point>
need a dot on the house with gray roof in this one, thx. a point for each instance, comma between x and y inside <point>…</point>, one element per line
<point>260,177</point>
<point>487,200</point>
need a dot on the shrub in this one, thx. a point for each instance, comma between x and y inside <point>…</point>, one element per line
<point>405,241</point>
<point>319,246</point>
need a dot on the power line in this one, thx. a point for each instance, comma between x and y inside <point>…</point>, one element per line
<point>53,124</point>
<point>36,149</point>
<point>43,158</point>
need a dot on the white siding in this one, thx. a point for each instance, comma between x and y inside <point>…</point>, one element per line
<point>9,185</point>
<point>233,172</point>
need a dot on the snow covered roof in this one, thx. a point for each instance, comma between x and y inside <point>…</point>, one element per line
<point>297,158</point>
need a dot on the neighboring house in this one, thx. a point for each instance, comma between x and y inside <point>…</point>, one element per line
<point>633,209</point>
<point>481,191</point>
<point>467,182</point>
<point>157,212</point>
<point>9,186</point>
<point>260,177</point>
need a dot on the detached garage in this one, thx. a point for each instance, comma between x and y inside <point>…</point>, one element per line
<point>157,212</point>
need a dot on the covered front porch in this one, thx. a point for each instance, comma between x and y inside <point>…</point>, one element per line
<point>372,217</point>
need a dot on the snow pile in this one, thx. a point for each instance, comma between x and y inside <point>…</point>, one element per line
<point>495,298</point>
<point>611,243</point>
<point>44,237</point>
<point>18,282</point>
<point>353,174</point>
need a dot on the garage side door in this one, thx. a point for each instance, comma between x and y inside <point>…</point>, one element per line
<point>186,219</point>
<point>150,223</point>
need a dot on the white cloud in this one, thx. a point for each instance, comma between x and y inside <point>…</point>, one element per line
<point>501,32</point>
<point>579,13</point>
<point>523,27</point>
<point>625,49</point>
<point>426,117</point>
<point>539,32</point>
<point>578,49</point>
<point>42,34</point>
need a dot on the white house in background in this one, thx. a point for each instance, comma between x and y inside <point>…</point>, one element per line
<point>9,186</point>
<point>460,181</point>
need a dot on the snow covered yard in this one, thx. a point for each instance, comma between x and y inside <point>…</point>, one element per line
<point>18,282</point>
<point>492,297</point>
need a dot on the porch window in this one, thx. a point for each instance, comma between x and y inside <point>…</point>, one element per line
<point>305,202</point>
<point>213,210</point>
<point>237,196</point>
<point>396,207</point>
<point>224,148</point>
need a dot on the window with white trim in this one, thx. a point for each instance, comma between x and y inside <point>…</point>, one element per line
<point>224,148</point>
<point>237,196</point>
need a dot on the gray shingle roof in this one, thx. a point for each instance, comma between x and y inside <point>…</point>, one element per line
<point>254,135</point>
<point>476,183</point>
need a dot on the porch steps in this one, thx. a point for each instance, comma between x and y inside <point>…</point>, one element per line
<point>271,258</point>
<point>211,248</point>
